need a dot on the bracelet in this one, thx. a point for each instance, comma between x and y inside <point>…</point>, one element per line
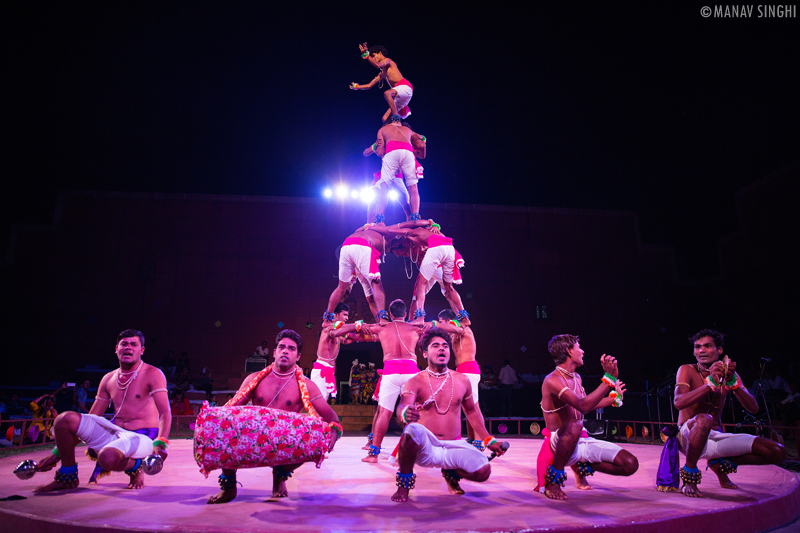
<point>735,383</point>
<point>337,426</point>
<point>161,441</point>
<point>368,225</point>
<point>338,324</point>
<point>354,86</point>
<point>359,323</point>
<point>423,138</point>
<point>609,380</point>
<point>616,397</point>
<point>454,322</point>
<point>403,413</point>
<point>365,54</point>
<point>488,441</point>
<point>435,225</point>
<point>327,317</point>
<point>55,452</point>
<point>711,383</point>
<point>373,147</point>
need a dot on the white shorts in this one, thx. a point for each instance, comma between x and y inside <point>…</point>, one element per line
<point>404,94</point>
<point>474,379</point>
<point>365,284</point>
<point>391,386</point>
<point>327,389</point>
<point>433,280</point>
<point>449,454</point>
<point>719,444</point>
<point>99,433</point>
<point>443,256</point>
<point>354,262</point>
<point>394,161</point>
<point>589,450</point>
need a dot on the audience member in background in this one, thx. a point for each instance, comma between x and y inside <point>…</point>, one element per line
<point>181,405</point>
<point>204,382</point>
<point>789,409</point>
<point>262,351</point>
<point>64,397</point>
<point>488,378</point>
<point>168,365</point>
<point>42,408</point>
<point>14,407</point>
<point>184,381</point>
<point>81,395</point>
<point>184,363</point>
<point>508,382</point>
<point>212,402</point>
<point>307,372</point>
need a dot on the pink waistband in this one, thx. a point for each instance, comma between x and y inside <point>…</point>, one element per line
<point>322,365</point>
<point>399,366</point>
<point>391,146</point>
<point>469,367</point>
<point>437,240</point>
<point>356,240</point>
<point>403,82</point>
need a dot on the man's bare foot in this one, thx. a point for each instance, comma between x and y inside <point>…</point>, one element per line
<point>453,487</point>
<point>137,480</point>
<point>581,483</point>
<point>57,485</point>
<point>370,459</point>
<point>554,492</point>
<point>223,496</point>
<point>724,480</point>
<point>401,495</point>
<point>691,490</point>
<point>279,489</point>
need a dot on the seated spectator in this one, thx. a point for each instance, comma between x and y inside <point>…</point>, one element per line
<point>181,405</point>
<point>14,407</point>
<point>488,378</point>
<point>64,397</point>
<point>42,409</point>
<point>210,399</point>
<point>262,351</point>
<point>307,372</point>
<point>203,383</point>
<point>168,364</point>
<point>184,382</point>
<point>184,363</point>
<point>82,395</point>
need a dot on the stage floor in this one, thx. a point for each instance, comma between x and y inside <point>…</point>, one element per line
<point>348,495</point>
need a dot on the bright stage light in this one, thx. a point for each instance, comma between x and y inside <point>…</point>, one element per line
<point>393,195</point>
<point>367,195</point>
<point>341,192</point>
<point>354,194</point>
<point>327,193</point>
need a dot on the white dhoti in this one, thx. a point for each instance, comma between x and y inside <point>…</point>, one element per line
<point>589,450</point>
<point>719,444</point>
<point>448,454</point>
<point>99,433</point>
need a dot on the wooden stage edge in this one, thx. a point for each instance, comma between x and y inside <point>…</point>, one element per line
<point>348,495</point>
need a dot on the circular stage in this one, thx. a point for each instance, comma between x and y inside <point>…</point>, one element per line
<point>348,495</point>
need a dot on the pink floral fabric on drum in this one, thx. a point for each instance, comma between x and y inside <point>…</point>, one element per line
<point>249,436</point>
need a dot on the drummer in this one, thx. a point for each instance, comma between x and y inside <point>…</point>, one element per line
<point>279,390</point>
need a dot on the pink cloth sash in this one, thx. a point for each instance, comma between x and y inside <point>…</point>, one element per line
<point>400,366</point>
<point>438,240</point>
<point>469,367</point>
<point>375,255</point>
<point>391,146</point>
<point>328,373</point>
<point>403,82</point>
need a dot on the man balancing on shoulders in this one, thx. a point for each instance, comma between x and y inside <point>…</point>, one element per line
<point>283,387</point>
<point>139,394</point>
<point>431,404</point>
<point>700,394</point>
<point>564,402</point>
<point>400,90</point>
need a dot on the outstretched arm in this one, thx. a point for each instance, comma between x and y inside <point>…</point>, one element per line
<point>366,86</point>
<point>373,148</point>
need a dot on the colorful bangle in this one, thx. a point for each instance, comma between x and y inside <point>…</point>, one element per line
<point>327,317</point>
<point>424,139</point>
<point>55,452</point>
<point>735,383</point>
<point>616,397</point>
<point>161,442</point>
<point>338,324</point>
<point>462,314</point>
<point>488,441</point>
<point>454,322</point>
<point>365,55</point>
<point>711,383</point>
<point>368,225</point>
<point>337,426</point>
<point>403,413</point>
<point>435,225</point>
<point>609,380</point>
<point>359,323</point>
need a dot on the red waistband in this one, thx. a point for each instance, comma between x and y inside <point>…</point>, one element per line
<point>469,367</point>
<point>399,366</point>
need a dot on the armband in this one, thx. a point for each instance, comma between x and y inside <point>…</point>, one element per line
<point>338,324</point>
<point>488,441</point>
<point>365,54</point>
<point>336,426</point>
<point>711,383</point>
<point>424,139</point>
<point>455,323</point>
<point>734,384</point>
<point>354,86</point>
<point>158,390</point>
<point>609,380</point>
<point>55,452</point>
<point>359,323</point>
<point>101,398</point>
<point>616,397</point>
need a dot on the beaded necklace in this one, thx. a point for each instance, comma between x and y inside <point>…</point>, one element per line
<point>124,386</point>
<point>432,397</point>
<point>700,368</point>
<point>287,378</point>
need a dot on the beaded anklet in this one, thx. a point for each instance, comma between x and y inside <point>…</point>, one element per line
<point>374,451</point>
<point>67,474</point>
<point>135,469</point>
<point>419,313</point>
<point>415,216</point>
<point>280,474</point>
<point>327,317</point>
<point>691,475</point>
<point>584,469</point>
<point>406,481</point>
<point>726,465</point>
<point>450,475</point>
<point>462,314</point>
<point>554,475</point>
<point>228,482</point>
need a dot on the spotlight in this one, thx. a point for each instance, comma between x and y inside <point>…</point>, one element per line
<point>367,195</point>
<point>341,191</point>
<point>327,193</point>
<point>354,194</point>
<point>393,195</point>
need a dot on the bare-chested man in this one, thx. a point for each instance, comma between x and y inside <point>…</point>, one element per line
<point>398,339</point>
<point>398,146</point>
<point>359,258</point>
<point>278,390</point>
<point>400,89</point>
<point>431,404</point>
<point>700,394</point>
<point>430,248</point>
<point>564,402</point>
<point>142,412</point>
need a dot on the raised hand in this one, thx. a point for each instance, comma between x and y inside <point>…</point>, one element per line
<point>609,365</point>
<point>363,47</point>
<point>717,370</point>
<point>620,388</point>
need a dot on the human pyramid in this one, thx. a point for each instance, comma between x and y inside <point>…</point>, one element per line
<point>262,424</point>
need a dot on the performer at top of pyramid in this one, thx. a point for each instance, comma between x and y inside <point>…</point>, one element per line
<point>399,93</point>
<point>398,146</point>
